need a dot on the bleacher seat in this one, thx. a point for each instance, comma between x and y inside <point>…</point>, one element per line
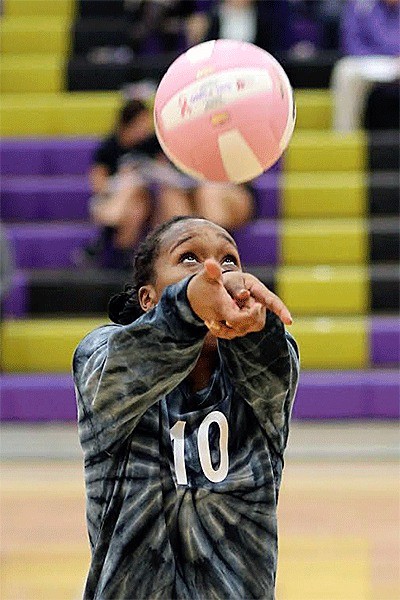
<point>325,289</point>
<point>58,114</point>
<point>46,156</point>
<point>324,194</point>
<point>38,245</point>
<point>36,35</point>
<point>348,395</point>
<point>45,198</point>
<point>314,109</point>
<point>326,151</point>
<point>324,241</point>
<point>31,346</point>
<point>20,73</point>
<point>44,8</point>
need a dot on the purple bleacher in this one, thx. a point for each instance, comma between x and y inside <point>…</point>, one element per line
<point>45,198</point>
<point>321,395</point>
<point>384,394</point>
<point>21,157</point>
<point>46,156</point>
<point>70,156</point>
<point>15,303</point>
<point>48,245</point>
<point>266,190</point>
<point>348,394</point>
<point>324,394</point>
<point>37,397</point>
<point>258,242</point>
<point>385,341</point>
<point>37,198</point>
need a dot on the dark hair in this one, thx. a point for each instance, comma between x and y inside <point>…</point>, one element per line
<point>124,308</point>
<point>130,111</point>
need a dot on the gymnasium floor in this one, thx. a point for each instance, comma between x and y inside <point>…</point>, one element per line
<point>339,513</point>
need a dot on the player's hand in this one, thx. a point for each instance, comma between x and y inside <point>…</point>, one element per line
<point>225,316</point>
<point>244,287</point>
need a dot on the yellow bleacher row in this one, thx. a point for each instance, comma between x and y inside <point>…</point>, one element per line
<point>39,95</point>
<point>323,195</point>
<point>32,8</point>
<point>23,37</point>
<point>47,345</point>
<point>323,290</point>
<point>323,241</point>
<point>61,114</point>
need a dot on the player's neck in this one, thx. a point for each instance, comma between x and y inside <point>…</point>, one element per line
<point>200,377</point>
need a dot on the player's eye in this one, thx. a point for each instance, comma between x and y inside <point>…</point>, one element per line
<point>188,258</point>
<point>229,259</point>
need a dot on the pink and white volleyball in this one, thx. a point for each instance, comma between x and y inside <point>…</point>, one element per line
<point>224,111</point>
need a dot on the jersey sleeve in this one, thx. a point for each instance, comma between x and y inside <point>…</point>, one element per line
<point>120,371</point>
<point>264,369</point>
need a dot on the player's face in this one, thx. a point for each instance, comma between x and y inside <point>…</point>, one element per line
<point>185,247</point>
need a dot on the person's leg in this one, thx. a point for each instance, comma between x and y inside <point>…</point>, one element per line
<point>353,78</point>
<point>172,202</point>
<point>134,212</point>
<point>227,205</point>
<point>350,89</point>
<point>125,209</point>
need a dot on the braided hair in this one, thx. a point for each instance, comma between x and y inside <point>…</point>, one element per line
<point>124,308</point>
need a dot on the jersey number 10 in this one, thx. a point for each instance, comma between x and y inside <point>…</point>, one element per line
<point>177,434</point>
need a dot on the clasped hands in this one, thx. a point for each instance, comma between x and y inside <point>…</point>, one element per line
<point>232,303</point>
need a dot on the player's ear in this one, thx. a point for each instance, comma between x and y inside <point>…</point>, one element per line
<point>147,297</point>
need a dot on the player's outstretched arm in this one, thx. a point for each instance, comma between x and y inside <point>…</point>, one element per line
<point>120,371</point>
<point>264,365</point>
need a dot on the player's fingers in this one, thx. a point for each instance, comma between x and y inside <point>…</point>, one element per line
<point>247,319</point>
<point>235,284</point>
<point>221,330</point>
<point>212,270</point>
<point>263,295</point>
<point>275,304</point>
<point>242,295</point>
<point>242,298</point>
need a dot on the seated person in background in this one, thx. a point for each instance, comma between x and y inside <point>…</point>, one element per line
<point>158,25</point>
<point>135,186</point>
<point>119,205</point>
<point>262,23</point>
<point>370,39</point>
<point>314,26</point>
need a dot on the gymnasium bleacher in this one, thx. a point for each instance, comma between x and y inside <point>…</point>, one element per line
<point>326,236</point>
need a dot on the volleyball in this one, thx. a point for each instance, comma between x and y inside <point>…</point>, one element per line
<point>224,111</point>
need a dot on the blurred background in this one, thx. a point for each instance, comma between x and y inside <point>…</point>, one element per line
<point>324,234</point>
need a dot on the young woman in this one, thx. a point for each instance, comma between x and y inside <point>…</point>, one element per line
<point>183,410</point>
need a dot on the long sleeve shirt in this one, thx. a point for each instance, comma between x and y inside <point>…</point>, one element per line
<point>182,487</point>
<point>370,27</point>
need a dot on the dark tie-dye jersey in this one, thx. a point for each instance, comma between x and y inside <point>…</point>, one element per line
<point>182,488</point>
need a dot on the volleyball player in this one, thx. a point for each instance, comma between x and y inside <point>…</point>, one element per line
<point>184,408</point>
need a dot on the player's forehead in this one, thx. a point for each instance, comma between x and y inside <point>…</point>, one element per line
<point>197,230</point>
